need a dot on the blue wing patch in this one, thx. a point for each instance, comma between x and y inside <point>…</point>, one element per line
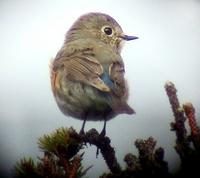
<point>105,77</point>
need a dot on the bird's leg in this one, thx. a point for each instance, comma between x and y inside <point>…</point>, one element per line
<point>103,132</point>
<point>82,132</point>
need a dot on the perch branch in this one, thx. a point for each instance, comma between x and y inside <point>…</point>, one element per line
<point>103,144</point>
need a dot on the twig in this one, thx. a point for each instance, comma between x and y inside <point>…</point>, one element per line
<point>103,143</point>
<point>190,113</point>
<point>182,143</point>
<point>93,138</point>
<point>151,159</point>
<point>195,132</point>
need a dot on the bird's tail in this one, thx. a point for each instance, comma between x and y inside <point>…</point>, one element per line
<point>126,109</point>
<point>129,110</point>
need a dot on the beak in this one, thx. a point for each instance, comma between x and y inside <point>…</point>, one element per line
<point>128,38</point>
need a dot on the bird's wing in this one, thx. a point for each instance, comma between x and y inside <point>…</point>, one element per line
<point>116,73</point>
<point>84,69</point>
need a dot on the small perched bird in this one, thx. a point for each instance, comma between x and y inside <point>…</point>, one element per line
<point>87,74</point>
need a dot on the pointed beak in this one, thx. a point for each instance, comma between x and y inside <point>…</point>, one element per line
<point>128,38</point>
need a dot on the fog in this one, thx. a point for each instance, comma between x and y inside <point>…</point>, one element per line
<point>31,33</point>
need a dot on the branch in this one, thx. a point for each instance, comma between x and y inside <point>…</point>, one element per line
<point>195,132</point>
<point>103,143</point>
<point>182,143</point>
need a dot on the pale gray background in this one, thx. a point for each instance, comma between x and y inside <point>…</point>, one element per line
<point>31,33</point>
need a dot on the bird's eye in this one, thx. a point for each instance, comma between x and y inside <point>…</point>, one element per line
<point>108,31</point>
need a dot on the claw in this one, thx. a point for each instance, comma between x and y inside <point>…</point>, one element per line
<point>82,132</point>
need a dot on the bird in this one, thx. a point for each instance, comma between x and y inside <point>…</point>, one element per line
<point>87,73</point>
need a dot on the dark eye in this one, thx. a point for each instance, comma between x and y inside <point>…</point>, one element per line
<point>108,31</point>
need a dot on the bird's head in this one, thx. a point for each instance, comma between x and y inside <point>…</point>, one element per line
<point>98,26</point>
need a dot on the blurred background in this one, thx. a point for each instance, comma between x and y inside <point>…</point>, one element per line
<point>31,33</point>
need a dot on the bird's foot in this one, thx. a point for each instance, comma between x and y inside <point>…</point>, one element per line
<point>82,132</point>
<point>82,135</point>
<point>101,136</point>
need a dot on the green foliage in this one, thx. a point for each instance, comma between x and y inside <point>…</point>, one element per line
<point>26,168</point>
<point>50,143</point>
<point>60,160</point>
<point>61,142</point>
